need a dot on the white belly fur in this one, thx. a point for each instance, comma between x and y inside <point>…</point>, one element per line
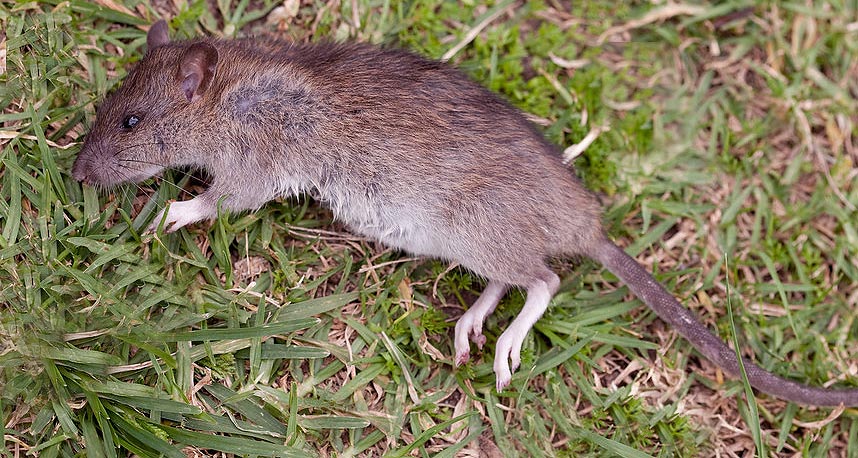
<point>393,224</point>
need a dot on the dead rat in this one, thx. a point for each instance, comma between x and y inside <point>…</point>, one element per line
<point>405,150</point>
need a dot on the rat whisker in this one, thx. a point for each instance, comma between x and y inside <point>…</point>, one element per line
<point>140,161</point>
<point>178,170</point>
<point>128,147</point>
<point>142,190</point>
<point>128,167</point>
<point>126,196</point>
<point>138,145</point>
<point>176,186</point>
<point>168,182</point>
<point>138,169</point>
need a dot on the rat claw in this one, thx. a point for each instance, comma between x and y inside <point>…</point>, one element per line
<point>515,360</point>
<point>502,380</point>
<point>478,339</point>
<point>156,222</point>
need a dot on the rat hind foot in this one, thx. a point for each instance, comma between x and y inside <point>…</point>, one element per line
<point>508,348</point>
<point>470,325</point>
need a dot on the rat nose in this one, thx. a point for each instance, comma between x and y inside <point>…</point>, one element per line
<point>79,170</point>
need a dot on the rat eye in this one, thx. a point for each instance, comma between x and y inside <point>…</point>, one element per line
<point>130,121</point>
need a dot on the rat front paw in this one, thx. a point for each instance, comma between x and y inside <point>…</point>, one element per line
<point>179,214</point>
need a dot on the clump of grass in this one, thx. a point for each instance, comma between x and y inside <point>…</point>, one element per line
<point>731,130</point>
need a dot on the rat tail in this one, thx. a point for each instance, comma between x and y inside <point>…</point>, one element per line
<point>644,286</point>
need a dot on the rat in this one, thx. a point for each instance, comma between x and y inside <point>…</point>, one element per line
<point>405,150</point>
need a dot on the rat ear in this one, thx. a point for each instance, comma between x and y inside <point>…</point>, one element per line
<point>196,69</point>
<point>157,35</point>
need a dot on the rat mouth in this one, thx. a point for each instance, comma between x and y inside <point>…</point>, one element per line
<point>78,172</point>
<point>86,172</point>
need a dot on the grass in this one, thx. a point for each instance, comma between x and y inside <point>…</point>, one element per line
<point>731,133</point>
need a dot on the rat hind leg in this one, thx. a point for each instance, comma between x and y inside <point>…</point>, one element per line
<point>471,323</point>
<point>508,349</point>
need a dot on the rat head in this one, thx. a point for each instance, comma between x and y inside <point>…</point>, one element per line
<point>153,120</point>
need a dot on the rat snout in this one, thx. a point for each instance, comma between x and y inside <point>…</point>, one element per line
<point>86,168</point>
<point>100,163</point>
<point>78,171</point>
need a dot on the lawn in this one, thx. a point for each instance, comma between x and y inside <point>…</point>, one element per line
<point>722,139</point>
